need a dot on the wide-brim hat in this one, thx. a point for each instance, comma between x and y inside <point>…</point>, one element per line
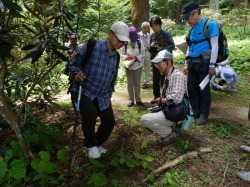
<point>227,74</point>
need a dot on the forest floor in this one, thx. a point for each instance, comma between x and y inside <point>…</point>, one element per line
<point>132,153</point>
<point>227,128</point>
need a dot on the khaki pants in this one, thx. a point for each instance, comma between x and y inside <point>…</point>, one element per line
<point>157,123</point>
<point>133,84</point>
<point>146,69</point>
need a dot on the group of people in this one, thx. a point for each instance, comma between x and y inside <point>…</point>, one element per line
<point>140,51</point>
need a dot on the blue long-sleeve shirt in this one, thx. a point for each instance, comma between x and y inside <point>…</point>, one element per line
<point>100,71</point>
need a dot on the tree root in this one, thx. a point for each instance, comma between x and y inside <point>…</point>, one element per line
<point>178,160</point>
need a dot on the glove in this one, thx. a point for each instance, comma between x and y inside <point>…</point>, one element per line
<point>129,58</point>
<point>136,59</point>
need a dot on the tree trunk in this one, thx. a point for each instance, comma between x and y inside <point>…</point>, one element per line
<point>10,116</point>
<point>139,12</point>
<point>214,5</point>
<point>238,2</point>
<point>177,12</point>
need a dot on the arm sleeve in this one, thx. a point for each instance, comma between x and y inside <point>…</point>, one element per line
<point>141,54</point>
<point>170,41</point>
<point>214,50</point>
<point>213,83</point>
<point>233,82</point>
<point>178,89</point>
<point>123,55</point>
<point>76,63</point>
<point>187,53</point>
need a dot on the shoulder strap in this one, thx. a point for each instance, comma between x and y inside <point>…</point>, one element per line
<point>205,29</point>
<point>126,47</point>
<point>139,45</point>
<point>90,48</point>
<point>117,60</point>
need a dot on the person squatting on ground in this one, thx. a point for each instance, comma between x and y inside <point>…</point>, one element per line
<point>73,45</point>
<point>99,76</point>
<point>159,40</point>
<point>144,36</point>
<point>134,49</point>
<point>174,87</point>
<point>201,58</point>
<point>227,74</point>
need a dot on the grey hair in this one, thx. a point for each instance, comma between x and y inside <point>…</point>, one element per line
<point>145,24</point>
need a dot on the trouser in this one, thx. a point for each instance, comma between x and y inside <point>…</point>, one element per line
<point>90,110</point>
<point>146,69</point>
<point>158,123</point>
<point>200,100</point>
<point>133,84</point>
<point>158,80</point>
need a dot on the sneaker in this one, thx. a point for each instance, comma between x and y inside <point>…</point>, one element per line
<point>140,103</point>
<point>130,103</point>
<point>202,119</point>
<point>102,150</point>
<point>93,152</point>
<point>245,148</point>
<point>167,140</point>
<point>244,175</point>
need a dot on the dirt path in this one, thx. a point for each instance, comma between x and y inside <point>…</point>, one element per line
<point>218,111</point>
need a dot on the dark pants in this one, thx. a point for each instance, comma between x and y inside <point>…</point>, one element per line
<point>90,110</point>
<point>200,99</point>
<point>158,80</point>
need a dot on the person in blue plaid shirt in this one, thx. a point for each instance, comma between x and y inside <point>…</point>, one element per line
<point>99,76</point>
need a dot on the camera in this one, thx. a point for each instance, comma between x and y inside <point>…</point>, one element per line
<point>155,108</point>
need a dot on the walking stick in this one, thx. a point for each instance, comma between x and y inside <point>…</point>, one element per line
<point>76,109</point>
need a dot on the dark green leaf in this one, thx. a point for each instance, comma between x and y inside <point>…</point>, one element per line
<point>2,167</point>
<point>17,169</point>
<point>99,179</point>
<point>60,55</point>
<point>151,178</point>
<point>32,12</point>
<point>61,155</point>
<point>28,28</point>
<point>28,47</point>
<point>130,163</point>
<point>97,163</point>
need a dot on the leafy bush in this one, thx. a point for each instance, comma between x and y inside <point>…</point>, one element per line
<point>168,24</point>
<point>44,170</point>
<point>222,129</point>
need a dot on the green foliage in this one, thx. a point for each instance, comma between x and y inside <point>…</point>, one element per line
<point>238,17</point>
<point>184,145</point>
<point>208,13</point>
<point>130,116</point>
<point>99,179</point>
<point>168,24</point>
<point>45,168</point>
<point>222,129</point>
<point>174,179</point>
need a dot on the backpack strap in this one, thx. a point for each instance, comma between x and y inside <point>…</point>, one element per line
<point>205,29</point>
<point>90,48</point>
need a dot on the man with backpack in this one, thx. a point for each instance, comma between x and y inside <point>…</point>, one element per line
<point>98,75</point>
<point>201,57</point>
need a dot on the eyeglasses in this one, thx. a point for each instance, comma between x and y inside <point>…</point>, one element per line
<point>117,38</point>
<point>158,65</point>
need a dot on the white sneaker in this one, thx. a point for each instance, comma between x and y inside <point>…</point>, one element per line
<point>102,149</point>
<point>93,152</point>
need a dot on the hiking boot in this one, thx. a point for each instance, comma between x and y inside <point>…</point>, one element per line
<point>139,103</point>
<point>153,101</point>
<point>167,140</point>
<point>202,119</point>
<point>244,175</point>
<point>102,150</point>
<point>130,103</point>
<point>245,148</point>
<point>144,86</point>
<point>93,152</point>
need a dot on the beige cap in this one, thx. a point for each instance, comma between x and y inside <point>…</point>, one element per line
<point>164,54</point>
<point>121,30</point>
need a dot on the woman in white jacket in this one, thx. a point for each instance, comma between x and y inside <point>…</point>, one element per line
<point>133,51</point>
